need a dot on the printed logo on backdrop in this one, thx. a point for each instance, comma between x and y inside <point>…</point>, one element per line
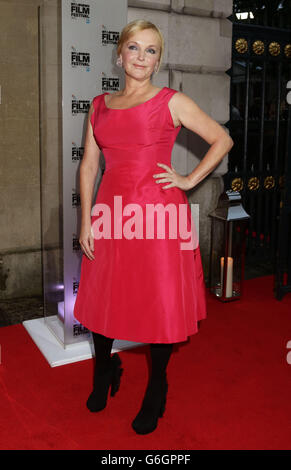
<point>80,59</point>
<point>77,152</point>
<point>80,10</point>
<point>79,106</point>
<point>79,329</point>
<point>110,83</point>
<point>76,201</point>
<point>75,286</point>
<point>75,243</point>
<point>109,37</point>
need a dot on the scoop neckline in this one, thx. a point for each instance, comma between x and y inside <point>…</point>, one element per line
<point>132,107</point>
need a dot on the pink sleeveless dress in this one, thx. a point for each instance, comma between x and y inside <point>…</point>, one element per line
<point>140,287</point>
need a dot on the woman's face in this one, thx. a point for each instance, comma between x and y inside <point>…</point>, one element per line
<point>140,54</point>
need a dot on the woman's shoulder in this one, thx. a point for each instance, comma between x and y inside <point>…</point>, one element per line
<point>97,97</point>
<point>179,96</point>
<point>169,92</point>
<point>95,102</point>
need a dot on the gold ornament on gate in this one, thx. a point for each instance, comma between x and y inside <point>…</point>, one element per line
<point>258,47</point>
<point>237,184</point>
<point>241,45</point>
<point>287,50</point>
<point>274,48</point>
<point>253,183</point>
<point>269,182</point>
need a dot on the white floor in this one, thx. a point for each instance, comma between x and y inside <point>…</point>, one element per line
<point>56,354</point>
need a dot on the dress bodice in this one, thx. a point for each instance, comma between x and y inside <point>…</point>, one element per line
<point>142,134</point>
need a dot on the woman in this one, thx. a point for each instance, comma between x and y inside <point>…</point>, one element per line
<point>139,288</point>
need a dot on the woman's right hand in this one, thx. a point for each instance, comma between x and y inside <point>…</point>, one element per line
<point>86,241</point>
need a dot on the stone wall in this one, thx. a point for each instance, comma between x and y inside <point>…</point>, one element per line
<point>20,257</point>
<point>197,54</point>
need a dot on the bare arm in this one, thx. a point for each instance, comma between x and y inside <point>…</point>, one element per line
<point>186,112</point>
<point>88,172</point>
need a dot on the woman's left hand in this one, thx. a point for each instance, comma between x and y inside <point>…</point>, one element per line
<point>171,176</point>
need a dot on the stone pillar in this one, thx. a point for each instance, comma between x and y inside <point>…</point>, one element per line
<point>20,256</point>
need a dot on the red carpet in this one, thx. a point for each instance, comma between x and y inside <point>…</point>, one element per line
<point>229,387</point>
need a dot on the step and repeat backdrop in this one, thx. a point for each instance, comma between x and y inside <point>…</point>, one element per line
<point>90,32</point>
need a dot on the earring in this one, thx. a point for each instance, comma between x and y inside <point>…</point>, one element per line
<point>156,69</point>
<point>119,62</point>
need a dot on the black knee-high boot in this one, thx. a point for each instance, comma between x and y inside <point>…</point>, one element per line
<point>154,402</point>
<point>107,372</point>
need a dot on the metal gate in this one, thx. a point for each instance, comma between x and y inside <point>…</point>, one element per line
<point>261,68</point>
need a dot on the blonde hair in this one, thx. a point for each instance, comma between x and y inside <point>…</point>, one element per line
<point>140,25</point>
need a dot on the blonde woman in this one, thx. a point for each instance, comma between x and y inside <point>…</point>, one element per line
<point>133,286</point>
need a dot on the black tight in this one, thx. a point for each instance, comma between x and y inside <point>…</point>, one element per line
<point>160,355</point>
<point>102,346</point>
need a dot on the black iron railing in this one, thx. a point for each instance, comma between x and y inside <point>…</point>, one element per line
<point>261,68</point>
